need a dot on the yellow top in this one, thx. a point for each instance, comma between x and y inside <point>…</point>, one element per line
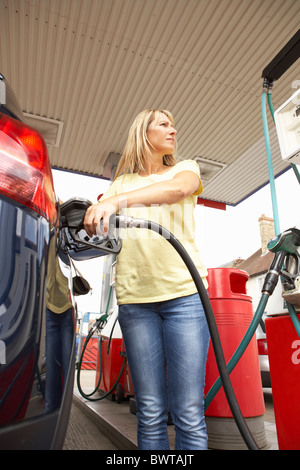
<point>58,298</point>
<point>149,269</point>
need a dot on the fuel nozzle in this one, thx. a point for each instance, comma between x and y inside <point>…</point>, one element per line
<point>272,275</point>
<point>288,241</point>
<point>125,221</point>
<point>98,324</point>
<point>72,214</point>
<point>285,246</point>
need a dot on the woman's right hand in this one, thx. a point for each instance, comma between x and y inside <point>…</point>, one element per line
<point>97,213</point>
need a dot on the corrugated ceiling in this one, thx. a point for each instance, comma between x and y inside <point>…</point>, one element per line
<point>94,64</point>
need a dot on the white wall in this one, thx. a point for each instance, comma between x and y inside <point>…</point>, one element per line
<point>275,302</point>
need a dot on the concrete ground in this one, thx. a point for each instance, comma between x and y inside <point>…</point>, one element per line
<point>108,425</point>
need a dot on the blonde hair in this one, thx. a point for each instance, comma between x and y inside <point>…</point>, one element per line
<point>138,148</point>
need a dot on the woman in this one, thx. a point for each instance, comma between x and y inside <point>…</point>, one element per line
<point>160,312</point>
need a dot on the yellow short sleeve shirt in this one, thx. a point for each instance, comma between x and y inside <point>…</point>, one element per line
<point>149,269</point>
<point>58,298</point>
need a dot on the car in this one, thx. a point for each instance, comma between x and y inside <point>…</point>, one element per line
<point>263,356</point>
<point>30,218</point>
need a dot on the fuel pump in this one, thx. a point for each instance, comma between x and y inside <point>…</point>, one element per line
<point>283,333</point>
<point>283,330</point>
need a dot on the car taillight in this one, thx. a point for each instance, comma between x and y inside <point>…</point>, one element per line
<point>25,172</point>
<point>262,347</point>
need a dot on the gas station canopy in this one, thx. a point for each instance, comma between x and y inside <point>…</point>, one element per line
<point>83,69</point>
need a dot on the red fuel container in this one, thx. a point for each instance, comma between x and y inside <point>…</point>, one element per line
<point>110,362</point>
<point>233,312</point>
<point>284,358</point>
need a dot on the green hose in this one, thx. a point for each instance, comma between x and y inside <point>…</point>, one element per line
<point>270,164</point>
<point>270,103</point>
<point>294,318</point>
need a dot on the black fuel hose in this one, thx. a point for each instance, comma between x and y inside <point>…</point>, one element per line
<point>123,221</point>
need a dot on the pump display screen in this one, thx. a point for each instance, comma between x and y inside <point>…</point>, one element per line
<point>287,120</point>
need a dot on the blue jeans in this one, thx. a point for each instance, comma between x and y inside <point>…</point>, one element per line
<point>59,339</point>
<point>166,345</point>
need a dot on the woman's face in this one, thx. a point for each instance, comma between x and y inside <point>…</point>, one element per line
<point>162,135</point>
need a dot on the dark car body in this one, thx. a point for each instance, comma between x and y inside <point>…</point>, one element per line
<point>263,354</point>
<point>29,219</point>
